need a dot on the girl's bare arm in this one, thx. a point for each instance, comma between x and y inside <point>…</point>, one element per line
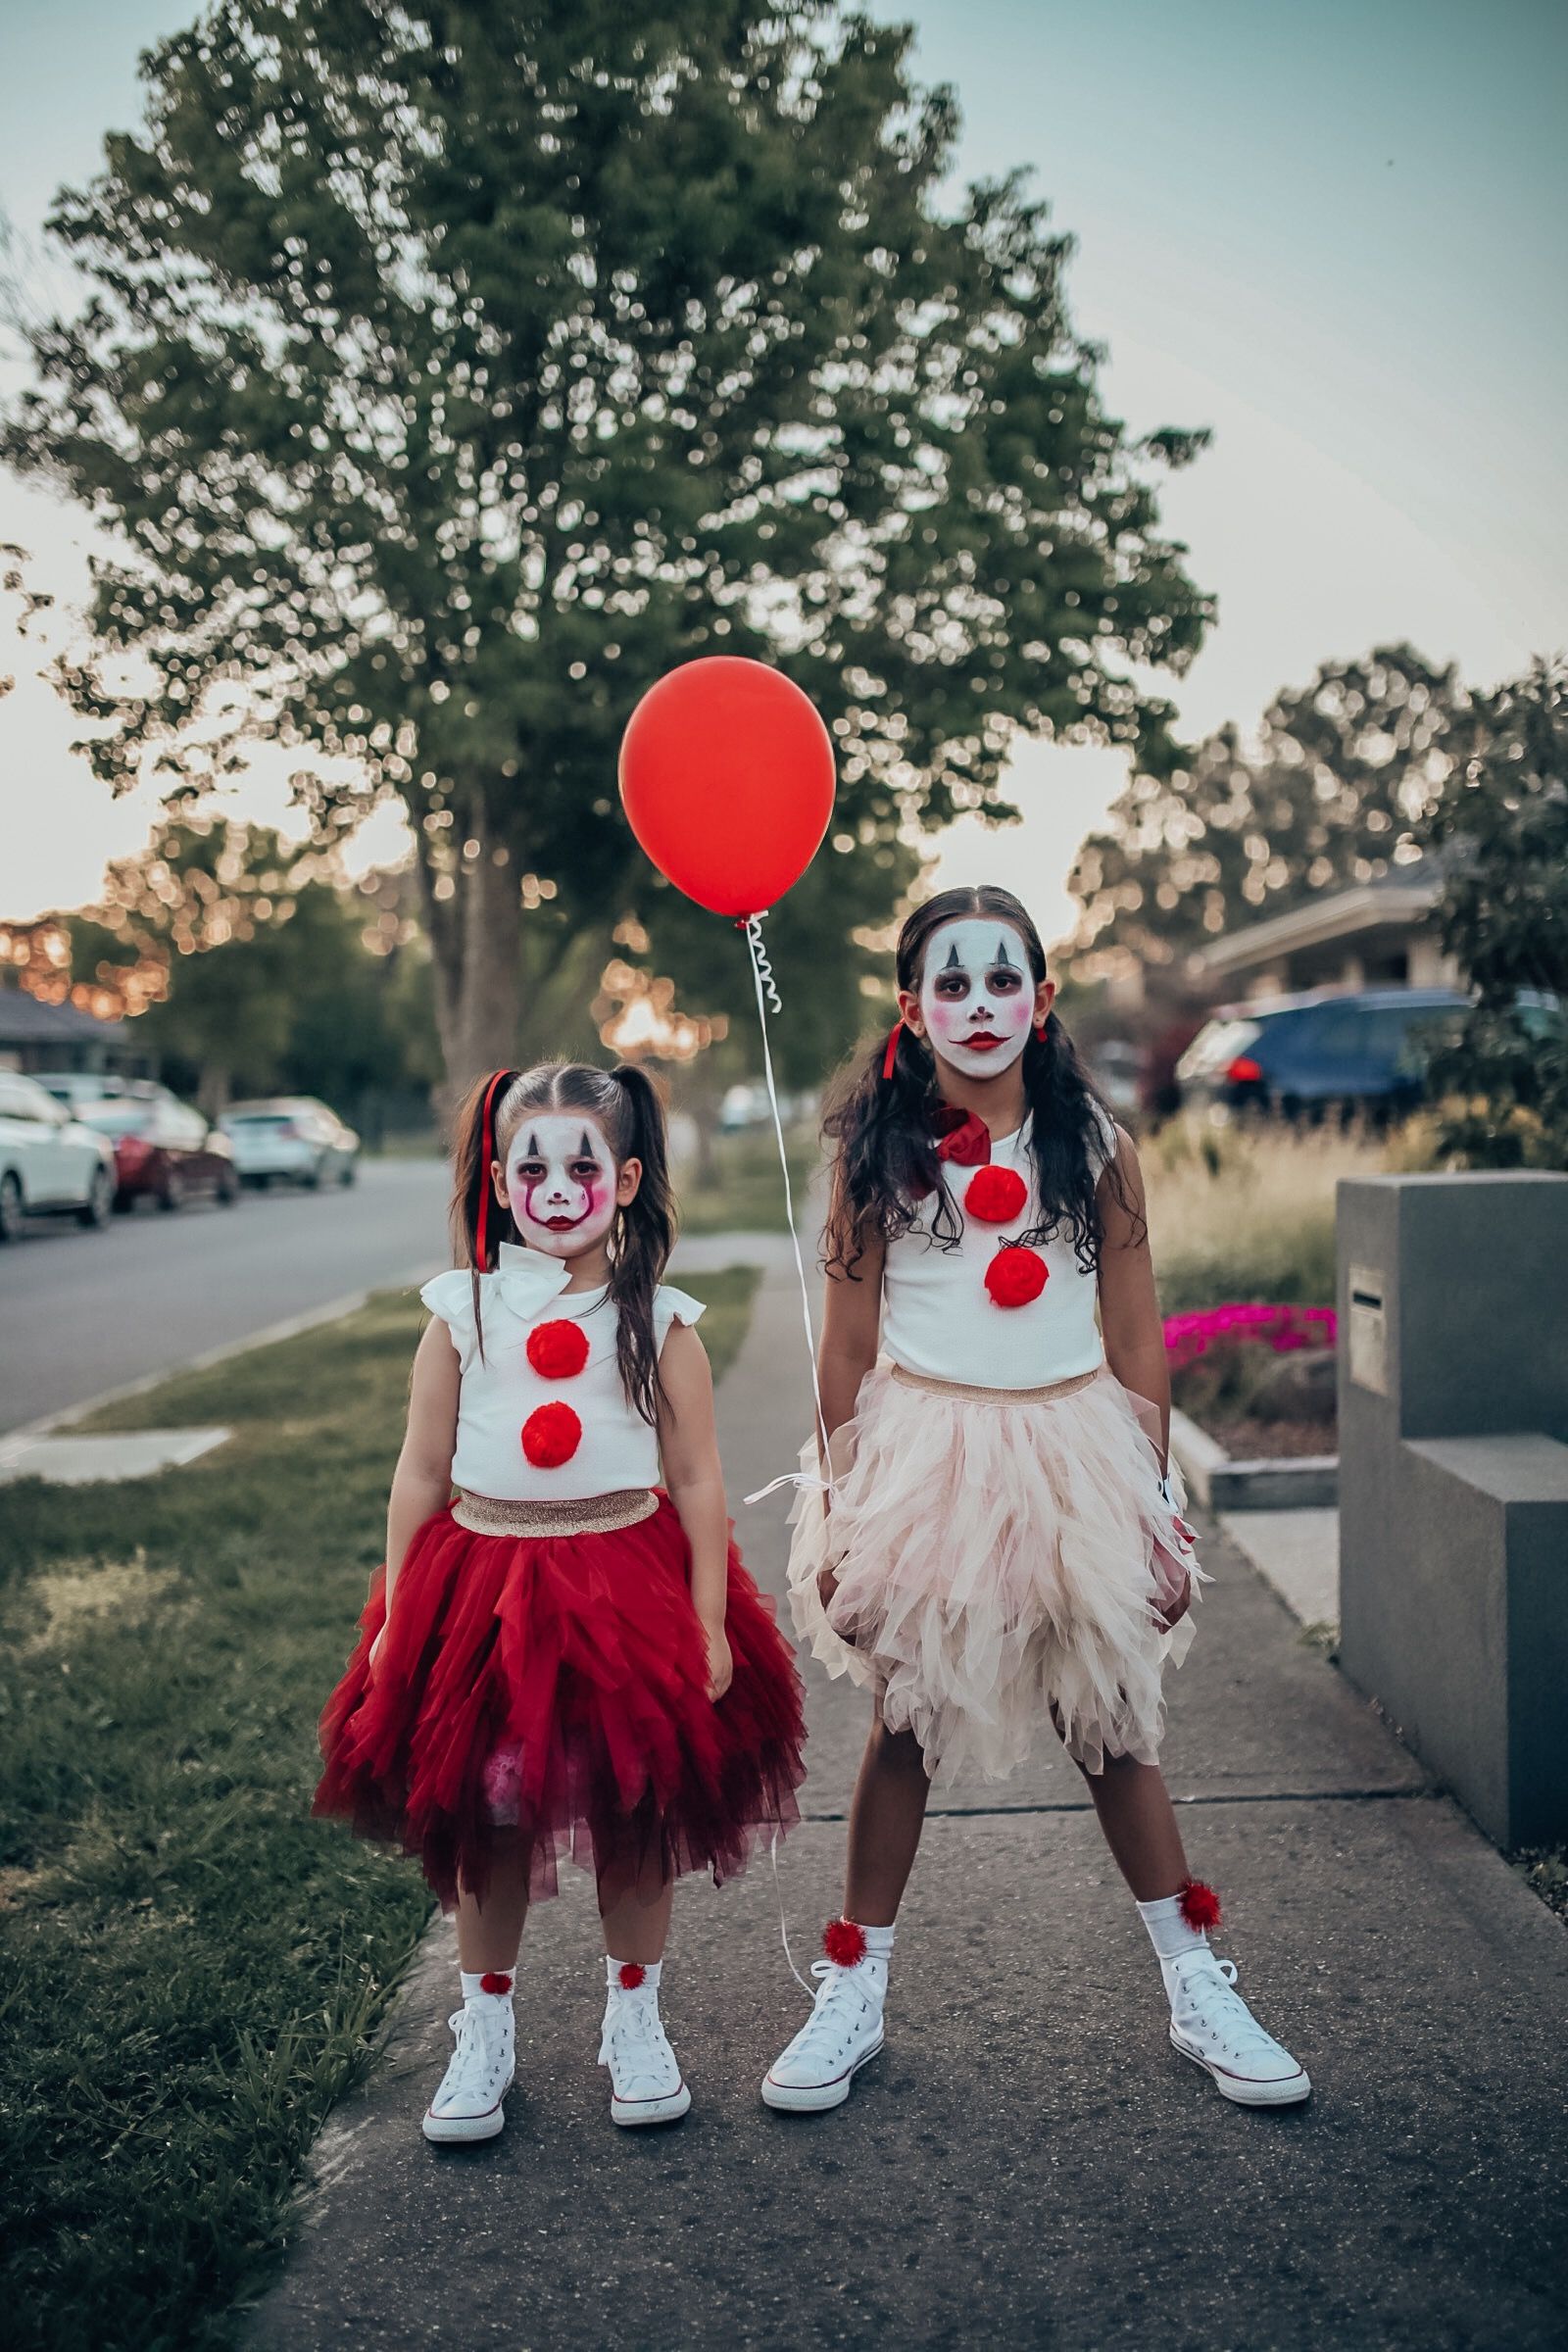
<point>421,1484</point>
<point>1129,1309</point>
<point>688,1447</point>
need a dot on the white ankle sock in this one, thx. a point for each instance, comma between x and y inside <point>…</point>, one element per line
<point>479,1985</point>
<point>650,1971</point>
<point>879,1943</point>
<point>1168,1930</point>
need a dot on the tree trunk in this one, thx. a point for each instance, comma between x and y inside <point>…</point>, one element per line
<point>474,947</point>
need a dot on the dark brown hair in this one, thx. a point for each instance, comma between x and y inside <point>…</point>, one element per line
<point>626,1104</point>
<point>886,1167</point>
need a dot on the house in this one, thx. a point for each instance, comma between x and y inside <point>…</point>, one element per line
<point>35,1036</point>
<point>1379,934</point>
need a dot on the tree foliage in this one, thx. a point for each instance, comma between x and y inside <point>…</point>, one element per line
<point>1329,793</point>
<point>248,965</point>
<point>452,371</point>
<point>1501,825</point>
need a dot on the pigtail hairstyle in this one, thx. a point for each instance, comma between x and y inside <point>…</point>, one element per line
<point>625,1104</point>
<point>886,1168</point>
<point>479,1222</point>
<point>644,1239</point>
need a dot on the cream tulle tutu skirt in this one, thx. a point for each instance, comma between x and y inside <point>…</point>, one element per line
<point>1002,1557</point>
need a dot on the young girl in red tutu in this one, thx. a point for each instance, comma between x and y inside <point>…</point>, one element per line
<point>1001,1548</point>
<point>563,1658</point>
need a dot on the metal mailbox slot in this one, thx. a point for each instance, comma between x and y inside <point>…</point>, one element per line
<point>1368,1350</point>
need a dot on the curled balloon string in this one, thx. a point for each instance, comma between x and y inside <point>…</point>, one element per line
<point>763,978</point>
<point>764,970</point>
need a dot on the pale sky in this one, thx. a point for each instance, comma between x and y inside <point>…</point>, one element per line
<point>1333,232</point>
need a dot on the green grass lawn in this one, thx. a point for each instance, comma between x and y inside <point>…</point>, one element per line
<point>192,1967</point>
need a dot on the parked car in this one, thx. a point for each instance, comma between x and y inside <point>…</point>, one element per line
<point>50,1163</point>
<point>1335,1054</point>
<point>76,1089</point>
<point>293,1136</point>
<point>164,1150</point>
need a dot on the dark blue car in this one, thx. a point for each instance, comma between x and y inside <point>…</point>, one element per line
<point>1306,1057</point>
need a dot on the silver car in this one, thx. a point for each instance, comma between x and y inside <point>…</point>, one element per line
<point>50,1163</point>
<point>291,1137</point>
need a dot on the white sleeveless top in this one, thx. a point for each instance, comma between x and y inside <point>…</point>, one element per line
<point>502,1390</point>
<point>938,1317</point>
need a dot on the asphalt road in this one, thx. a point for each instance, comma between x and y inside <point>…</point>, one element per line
<point>82,1312</point>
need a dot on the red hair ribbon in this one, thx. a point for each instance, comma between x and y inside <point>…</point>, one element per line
<point>488,1139</point>
<point>892,1053</point>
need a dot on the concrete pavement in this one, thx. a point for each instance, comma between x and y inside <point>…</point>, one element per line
<point>1028,2163</point>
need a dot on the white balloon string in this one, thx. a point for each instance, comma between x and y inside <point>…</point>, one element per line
<point>762,975</point>
<point>809,1991</point>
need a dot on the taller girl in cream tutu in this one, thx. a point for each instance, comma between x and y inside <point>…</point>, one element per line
<point>1001,1548</point>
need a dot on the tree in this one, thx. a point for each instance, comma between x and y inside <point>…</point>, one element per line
<point>1501,824</point>
<point>246,963</point>
<point>450,371</point>
<point>1331,793</point>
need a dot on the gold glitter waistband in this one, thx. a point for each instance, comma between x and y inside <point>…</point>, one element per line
<point>589,1515</point>
<point>970,1395</point>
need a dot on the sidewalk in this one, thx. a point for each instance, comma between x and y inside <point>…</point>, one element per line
<point>1028,2164</point>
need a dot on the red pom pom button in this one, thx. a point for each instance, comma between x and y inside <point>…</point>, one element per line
<point>844,1942</point>
<point>494,1982</point>
<point>558,1350</point>
<point>1199,1905</point>
<point>1016,1275</point>
<point>551,1436</point>
<point>994,1194</point>
<point>631,1973</point>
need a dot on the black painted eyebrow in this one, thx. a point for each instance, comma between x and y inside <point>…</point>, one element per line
<point>1001,955</point>
<point>585,1148</point>
<point>532,1150</point>
<point>954,963</point>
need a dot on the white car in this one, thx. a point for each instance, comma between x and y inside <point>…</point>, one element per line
<point>295,1136</point>
<point>50,1163</point>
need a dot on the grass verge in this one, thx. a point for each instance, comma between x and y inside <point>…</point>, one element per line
<point>193,1968</point>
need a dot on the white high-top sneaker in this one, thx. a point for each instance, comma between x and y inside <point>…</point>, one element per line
<point>843,2031</point>
<point>468,2104</point>
<point>646,2085</point>
<point>1212,2024</point>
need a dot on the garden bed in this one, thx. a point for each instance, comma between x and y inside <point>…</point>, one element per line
<point>1252,1387</point>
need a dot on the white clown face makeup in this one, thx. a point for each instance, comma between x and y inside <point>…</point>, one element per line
<point>977,995</point>
<point>560,1182</point>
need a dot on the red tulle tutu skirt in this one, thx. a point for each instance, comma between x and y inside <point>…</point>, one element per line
<point>549,1693</point>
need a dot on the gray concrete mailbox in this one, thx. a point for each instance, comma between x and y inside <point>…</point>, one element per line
<point>1453,1481</point>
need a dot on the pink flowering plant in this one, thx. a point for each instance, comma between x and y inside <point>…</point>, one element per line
<point>1221,1357</point>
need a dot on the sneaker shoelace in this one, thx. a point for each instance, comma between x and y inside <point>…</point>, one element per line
<point>1207,1983</point>
<point>476,2065</point>
<point>841,2003</point>
<point>635,2047</point>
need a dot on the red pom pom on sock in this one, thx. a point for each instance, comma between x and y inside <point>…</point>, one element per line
<point>994,1194</point>
<point>494,1982</point>
<point>1200,1905</point>
<point>558,1350</point>
<point>551,1436</point>
<point>1016,1275</point>
<point>844,1942</point>
<point>630,1975</point>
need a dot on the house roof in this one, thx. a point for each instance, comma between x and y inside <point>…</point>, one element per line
<point>1406,893</point>
<point>27,1020</point>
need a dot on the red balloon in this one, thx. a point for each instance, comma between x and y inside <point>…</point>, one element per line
<point>726,774</point>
